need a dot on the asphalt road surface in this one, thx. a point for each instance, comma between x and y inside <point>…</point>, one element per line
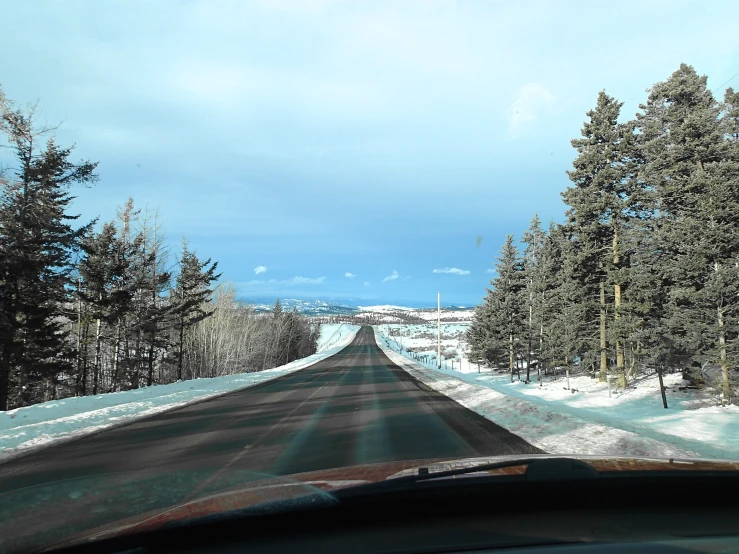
<point>355,407</point>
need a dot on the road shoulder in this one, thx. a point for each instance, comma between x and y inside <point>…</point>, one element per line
<point>543,427</point>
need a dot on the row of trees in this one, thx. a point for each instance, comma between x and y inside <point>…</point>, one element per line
<point>86,310</point>
<point>235,338</point>
<point>644,272</point>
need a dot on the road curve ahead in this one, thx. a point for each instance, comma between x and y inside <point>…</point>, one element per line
<point>355,407</point>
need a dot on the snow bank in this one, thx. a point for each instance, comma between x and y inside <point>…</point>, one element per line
<point>558,421</point>
<point>335,333</point>
<point>41,424</point>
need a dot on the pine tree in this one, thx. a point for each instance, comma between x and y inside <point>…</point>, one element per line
<point>565,330</point>
<point>102,272</point>
<point>604,181</point>
<point>193,288</point>
<point>506,303</point>
<point>480,337</point>
<point>550,271</point>
<point>535,279</point>
<point>274,335</point>
<point>691,168</point>
<point>155,282</point>
<point>36,244</point>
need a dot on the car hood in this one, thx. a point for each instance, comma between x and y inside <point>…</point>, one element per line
<point>310,484</point>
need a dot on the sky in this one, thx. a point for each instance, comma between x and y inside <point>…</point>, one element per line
<point>369,150</point>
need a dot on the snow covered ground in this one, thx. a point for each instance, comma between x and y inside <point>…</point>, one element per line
<point>41,424</point>
<point>388,313</point>
<point>587,421</point>
<point>421,338</point>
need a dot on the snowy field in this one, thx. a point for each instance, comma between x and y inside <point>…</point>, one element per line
<point>39,425</point>
<point>585,420</point>
<point>389,313</point>
<point>421,339</point>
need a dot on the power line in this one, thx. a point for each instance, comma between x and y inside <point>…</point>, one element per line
<point>718,87</point>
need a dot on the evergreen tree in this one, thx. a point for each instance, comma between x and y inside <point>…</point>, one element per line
<point>691,168</point>
<point>155,282</point>
<point>546,278</point>
<point>480,337</point>
<point>36,243</point>
<point>536,280</point>
<point>102,272</point>
<point>566,337</point>
<point>193,288</point>
<point>600,209</point>
<point>506,305</point>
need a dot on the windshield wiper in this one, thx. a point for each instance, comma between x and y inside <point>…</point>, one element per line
<point>538,469</point>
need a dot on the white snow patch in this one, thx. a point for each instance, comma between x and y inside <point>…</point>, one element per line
<point>335,333</point>
<point>42,424</point>
<point>588,421</point>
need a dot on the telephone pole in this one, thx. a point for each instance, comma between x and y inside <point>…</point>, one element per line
<point>438,329</point>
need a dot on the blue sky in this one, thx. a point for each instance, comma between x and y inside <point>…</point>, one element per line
<point>348,148</point>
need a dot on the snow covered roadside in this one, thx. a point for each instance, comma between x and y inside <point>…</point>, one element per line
<point>333,334</point>
<point>560,423</point>
<point>39,425</point>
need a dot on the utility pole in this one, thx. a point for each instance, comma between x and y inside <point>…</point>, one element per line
<point>438,329</point>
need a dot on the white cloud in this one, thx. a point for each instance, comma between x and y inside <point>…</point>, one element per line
<point>260,269</point>
<point>452,270</point>
<point>367,283</point>
<point>350,275</point>
<point>394,275</point>
<point>297,280</point>
<point>530,100</point>
<point>305,281</point>
<point>489,271</point>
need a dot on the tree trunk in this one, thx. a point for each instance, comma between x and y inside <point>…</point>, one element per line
<point>116,346</point>
<point>603,354</point>
<point>85,357</point>
<point>620,367</point>
<point>4,377</point>
<point>634,352</point>
<point>541,340</point>
<point>289,341</point>
<point>662,388</point>
<point>266,350</point>
<point>726,384</point>
<point>510,355</point>
<point>179,355</point>
<point>155,316</point>
<point>150,361</point>
<point>137,364</point>
<point>79,339</point>
<point>96,369</point>
<point>531,323</point>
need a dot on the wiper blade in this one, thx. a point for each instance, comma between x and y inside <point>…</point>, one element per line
<point>538,469</point>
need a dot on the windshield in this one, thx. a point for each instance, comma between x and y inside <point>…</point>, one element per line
<point>248,241</point>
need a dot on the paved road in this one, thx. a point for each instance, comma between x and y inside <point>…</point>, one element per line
<point>355,407</point>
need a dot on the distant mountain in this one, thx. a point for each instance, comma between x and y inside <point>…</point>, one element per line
<point>304,306</point>
<point>337,306</point>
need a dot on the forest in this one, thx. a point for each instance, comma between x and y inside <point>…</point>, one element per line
<point>91,307</point>
<point>643,273</point>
